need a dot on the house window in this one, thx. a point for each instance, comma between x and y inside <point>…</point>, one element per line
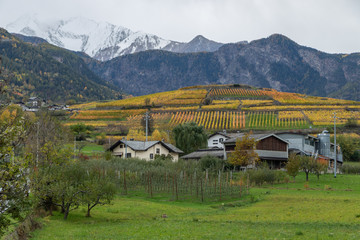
<point>215,141</point>
<point>128,155</point>
<point>221,140</point>
<point>158,151</point>
<point>151,156</point>
<point>121,146</point>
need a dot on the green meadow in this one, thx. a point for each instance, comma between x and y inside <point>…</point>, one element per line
<point>328,208</point>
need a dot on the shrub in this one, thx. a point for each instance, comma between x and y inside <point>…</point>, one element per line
<point>262,175</point>
<point>211,163</point>
<point>348,168</point>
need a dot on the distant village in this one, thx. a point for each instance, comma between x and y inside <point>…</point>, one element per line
<point>34,104</point>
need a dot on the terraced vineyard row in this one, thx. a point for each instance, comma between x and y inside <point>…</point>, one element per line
<point>235,92</point>
<point>229,108</point>
<point>271,120</point>
<point>211,119</point>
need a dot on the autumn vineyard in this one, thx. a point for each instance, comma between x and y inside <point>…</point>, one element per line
<point>215,107</point>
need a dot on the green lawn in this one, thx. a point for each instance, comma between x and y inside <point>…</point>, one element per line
<point>328,209</point>
<point>92,148</point>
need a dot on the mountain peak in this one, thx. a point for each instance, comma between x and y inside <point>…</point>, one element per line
<point>279,38</point>
<point>101,40</point>
<point>199,37</point>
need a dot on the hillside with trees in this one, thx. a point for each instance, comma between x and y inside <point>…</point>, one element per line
<point>49,72</point>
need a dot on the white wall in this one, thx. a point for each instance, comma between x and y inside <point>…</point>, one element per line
<point>145,154</point>
<point>214,141</point>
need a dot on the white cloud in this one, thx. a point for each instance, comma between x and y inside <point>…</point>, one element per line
<point>328,25</point>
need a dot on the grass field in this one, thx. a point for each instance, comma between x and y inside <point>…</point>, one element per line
<point>92,148</point>
<point>325,209</point>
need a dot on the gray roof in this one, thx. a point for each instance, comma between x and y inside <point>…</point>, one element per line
<point>214,152</point>
<point>143,146</point>
<point>257,137</point>
<point>172,147</point>
<point>228,135</point>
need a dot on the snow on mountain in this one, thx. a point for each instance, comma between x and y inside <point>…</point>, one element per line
<point>101,40</point>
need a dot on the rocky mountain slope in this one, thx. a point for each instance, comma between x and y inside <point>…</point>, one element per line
<point>102,40</point>
<point>275,62</point>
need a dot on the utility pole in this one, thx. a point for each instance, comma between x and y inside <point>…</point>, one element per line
<point>125,148</point>
<point>335,144</point>
<point>147,124</point>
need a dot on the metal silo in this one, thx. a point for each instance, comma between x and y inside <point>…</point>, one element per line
<point>324,143</point>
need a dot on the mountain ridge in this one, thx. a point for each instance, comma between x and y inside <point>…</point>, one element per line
<point>276,62</point>
<point>101,40</point>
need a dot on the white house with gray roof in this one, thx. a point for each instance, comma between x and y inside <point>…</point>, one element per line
<point>144,150</point>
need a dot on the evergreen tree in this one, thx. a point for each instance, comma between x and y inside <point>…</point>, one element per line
<point>190,137</point>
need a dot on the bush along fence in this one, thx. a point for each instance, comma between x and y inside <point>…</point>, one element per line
<point>183,185</point>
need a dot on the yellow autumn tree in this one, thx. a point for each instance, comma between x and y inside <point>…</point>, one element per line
<point>244,153</point>
<point>156,135</point>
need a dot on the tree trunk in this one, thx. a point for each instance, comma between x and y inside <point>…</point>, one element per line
<point>307,176</point>
<point>66,211</point>
<point>63,207</point>
<point>88,211</point>
<point>50,210</point>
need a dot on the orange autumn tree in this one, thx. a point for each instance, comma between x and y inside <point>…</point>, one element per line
<point>244,153</point>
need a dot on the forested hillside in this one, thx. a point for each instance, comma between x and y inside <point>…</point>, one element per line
<point>49,72</point>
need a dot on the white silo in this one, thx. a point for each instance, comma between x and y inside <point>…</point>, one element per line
<point>324,143</point>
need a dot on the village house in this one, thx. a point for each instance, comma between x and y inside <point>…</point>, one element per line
<point>144,149</point>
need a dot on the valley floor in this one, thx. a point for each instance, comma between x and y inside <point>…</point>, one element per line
<point>324,209</point>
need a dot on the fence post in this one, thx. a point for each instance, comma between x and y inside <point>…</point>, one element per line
<point>240,188</point>
<point>197,185</point>
<point>247,184</point>
<point>125,187</point>
<point>176,188</point>
<point>220,183</point>
<point>202,192</point>
<point>151,192</point>
<point>173,186</point>
<point>191,184</point>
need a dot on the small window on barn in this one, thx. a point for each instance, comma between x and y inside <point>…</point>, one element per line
<point>128,155</point>
<point>221,140</point>
<point>158,151</point>
<point>215,141</point>
<point>151,156</point>
<point>121,146</point>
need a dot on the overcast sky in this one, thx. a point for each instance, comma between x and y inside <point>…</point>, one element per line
<point>328,25</point>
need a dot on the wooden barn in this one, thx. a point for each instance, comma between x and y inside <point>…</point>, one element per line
<point>269,147</point>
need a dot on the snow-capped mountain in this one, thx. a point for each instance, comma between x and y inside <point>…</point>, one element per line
<point>101,40</point>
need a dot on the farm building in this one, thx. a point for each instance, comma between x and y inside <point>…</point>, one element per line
<point>319,146</point>
<point>213,152</point>
<point>298,142</point>
<point>144,149</point>
<point>269,147</point>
